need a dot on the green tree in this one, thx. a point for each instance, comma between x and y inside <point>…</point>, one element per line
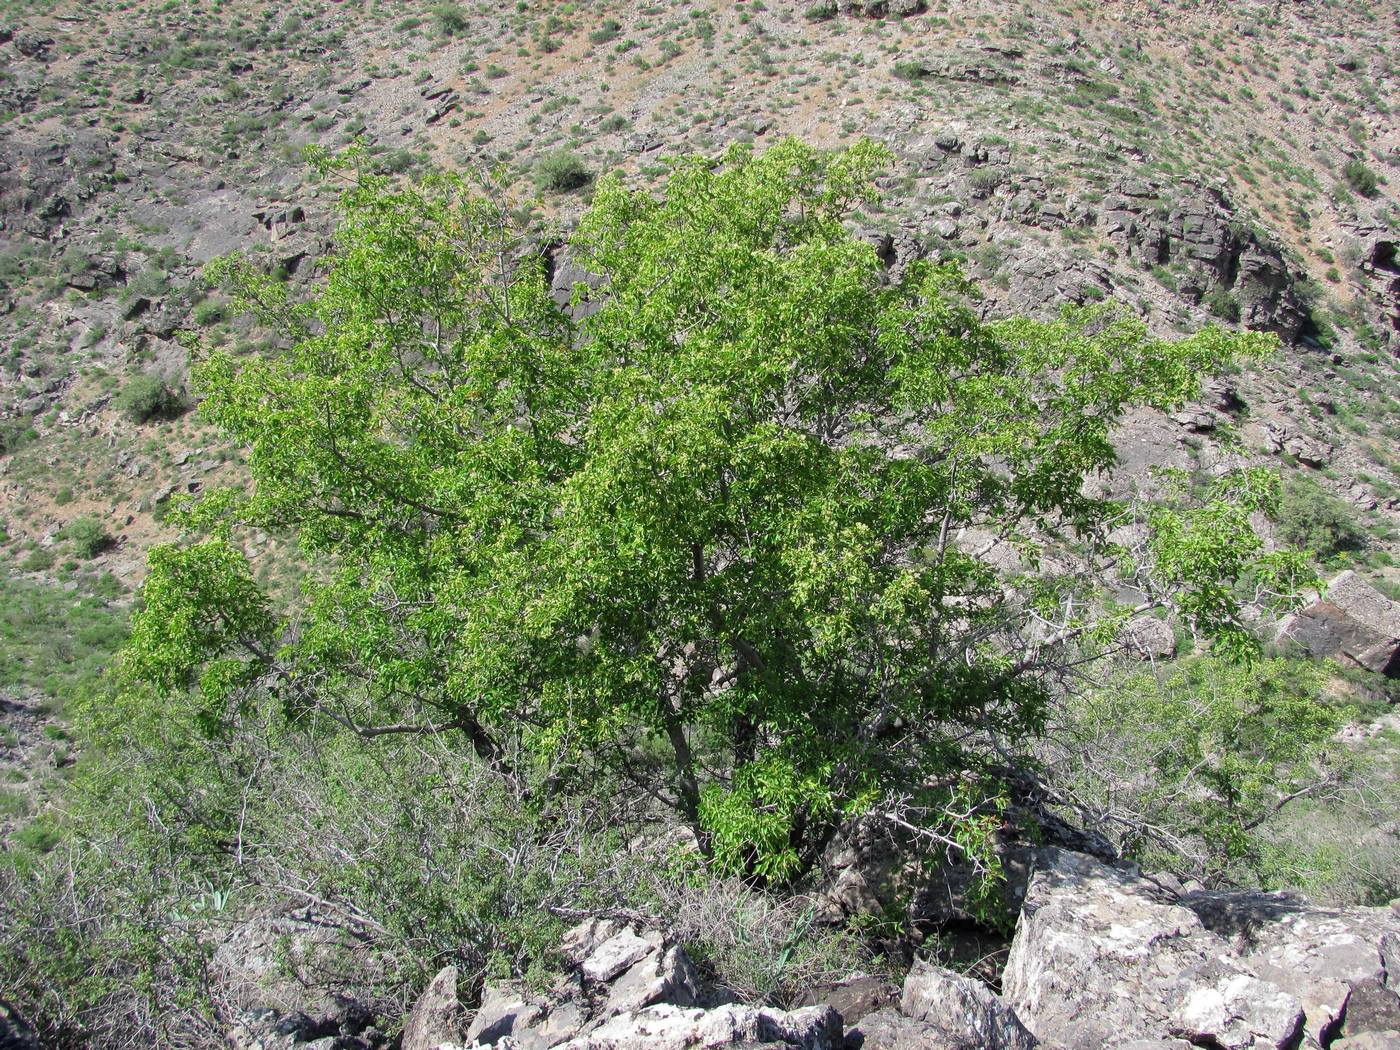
<point>733,537</point>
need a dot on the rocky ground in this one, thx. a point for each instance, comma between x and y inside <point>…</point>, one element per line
<point>1103,957</point>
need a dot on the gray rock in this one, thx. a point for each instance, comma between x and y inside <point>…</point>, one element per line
<point>854,999</point>
<point>1353,622</point>
<point>617,970</point>
<point>1150,639</point>
<point>1103,958</point>
<point>1318,955</point>
<point>286,964</point>
<point>660,977</point>
<point>15,1032</point>
<point>437,1016</point>
<point>667,1027</point>
<point>619,953</point>
<point>967,1012</point>
<point>1370,1007</point>
<point>504,1011</point>
<point>891,1030</point>
<point>33,44</point>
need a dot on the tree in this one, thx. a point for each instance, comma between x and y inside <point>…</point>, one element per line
<point>733,537</point>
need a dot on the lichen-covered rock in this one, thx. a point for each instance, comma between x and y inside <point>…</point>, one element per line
<point>1103,958</point>
<point>437,1017</point>
<point>967,1014</point>
<point>1352,622</point>
<point>667,1027</point>
<point>615,970</point>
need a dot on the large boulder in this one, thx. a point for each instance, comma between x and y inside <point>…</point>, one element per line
<point>437,1017</point>
<point>942,1010</point>
<point>1104,958</point>
<point>1352,622</point>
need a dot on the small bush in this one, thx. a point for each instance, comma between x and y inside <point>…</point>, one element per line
<point>562,172</point>
<point>820,12</point>
<point>451,19</point>
<point>911,71</point>
<point>149,397</point>
<point>1224,304</point>
<point>88,536</point>
<point>1312,519</point>
<point>1360,178</point>
<point>207,313</point>
<point>609,30</point>
<point>14,435</point>
<point>38,560</point>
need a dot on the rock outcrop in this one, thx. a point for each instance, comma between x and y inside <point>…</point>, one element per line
<point>1105,958</point>
<point>628,989</point>
<point>943,1010</point>
<point>625,988</point>
<point>1352,622</point>
<point>1202,236</point>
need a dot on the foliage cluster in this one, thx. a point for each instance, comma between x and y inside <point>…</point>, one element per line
<point>1188,768</point>
<point>148,397</point>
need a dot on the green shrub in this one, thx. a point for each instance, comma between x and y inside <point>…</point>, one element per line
<point>88,536</point>
<point>207,313</point>
<point>39,559</point>
<point>1312,519</point>
<point>1360,177</point>
<point>16,434</point>
<point>821,11</point>
<point>1224,304</point>
<point>561,172</point>
<point>148,397</point>
<point>451,19</point>
<point>610,29</point>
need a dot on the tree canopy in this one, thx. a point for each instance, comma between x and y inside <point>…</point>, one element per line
<point>773,535</point>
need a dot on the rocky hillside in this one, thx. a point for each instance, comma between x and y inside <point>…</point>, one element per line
<point>1197,162</point>
<point>1194,161</point>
